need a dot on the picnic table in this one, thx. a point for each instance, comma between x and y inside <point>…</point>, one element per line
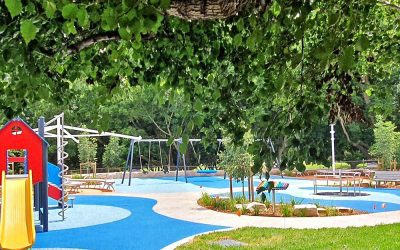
<point>77,184</point>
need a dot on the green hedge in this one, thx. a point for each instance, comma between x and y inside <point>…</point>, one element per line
<point>315,166</point>
<point>342,165</point>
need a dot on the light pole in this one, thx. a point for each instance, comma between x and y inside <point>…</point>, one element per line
<point>333,146</point>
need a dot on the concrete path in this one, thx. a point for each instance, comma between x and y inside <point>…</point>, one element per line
<point>184,206</point>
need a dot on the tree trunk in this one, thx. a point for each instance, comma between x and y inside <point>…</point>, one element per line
<point>252,188</point>
<point>249,187</point>
<point>243,188</point>
<point>230,187</point>
<point>207,9</point>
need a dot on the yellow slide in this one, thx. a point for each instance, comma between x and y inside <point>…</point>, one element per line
<point>17,225</point>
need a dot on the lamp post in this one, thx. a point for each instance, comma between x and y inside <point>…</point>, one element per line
<point>333,146</point>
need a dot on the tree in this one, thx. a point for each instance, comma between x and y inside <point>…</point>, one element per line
<point>112,154</point>
<point>386,145</point>
<point>236,161</point>
<point>87,149</point>
<point>260,65</point>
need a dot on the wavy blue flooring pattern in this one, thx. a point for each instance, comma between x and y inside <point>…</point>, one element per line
<point>143,229</point>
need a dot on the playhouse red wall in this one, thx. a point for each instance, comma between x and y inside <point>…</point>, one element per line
<point>28,140</point>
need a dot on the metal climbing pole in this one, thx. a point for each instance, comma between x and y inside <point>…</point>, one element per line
<point>61,156</point>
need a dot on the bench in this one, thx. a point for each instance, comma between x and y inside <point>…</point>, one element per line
<point>71,199</point>
<point>108,184</point>
<point>73,186</point>
<point>386,176</point>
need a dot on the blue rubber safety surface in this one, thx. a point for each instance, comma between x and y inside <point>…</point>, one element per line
<point>143,229</point>
<point>169,185</point>
<point>361,205</point>
<point>139,227</point>
<point>393,191</point>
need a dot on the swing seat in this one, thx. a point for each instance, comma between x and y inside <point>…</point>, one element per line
<point>207,171</point>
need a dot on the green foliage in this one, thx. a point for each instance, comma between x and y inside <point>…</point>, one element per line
<point>294,201</point>
<point>287,210</point>
<point>87,149</point>
<point>386,145</point>
<point>28,31</point>
<point>256,210</point>
<point>315,166</point>
<point>342,165</point>
<point>14,7</point>
<point>267,203</point>
<point>206,200</point>
<point>77,176</point>
<point>279,72</point>
<point>244,209</point>
<point>331,211</point>
<point>362,165</point>
<point>217,203</point>
<point>235,160</point>
<point>112,154</point>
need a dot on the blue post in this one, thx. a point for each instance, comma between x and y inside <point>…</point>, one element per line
<point>131,162</point>
<point>127,162</point>
<point>184,166</point>
<point>178,158</point>
<point>44,185</point>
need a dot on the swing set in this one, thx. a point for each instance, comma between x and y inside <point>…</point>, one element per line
<point>180,158</point>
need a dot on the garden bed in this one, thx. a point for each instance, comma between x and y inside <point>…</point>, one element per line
<point>240,206</point>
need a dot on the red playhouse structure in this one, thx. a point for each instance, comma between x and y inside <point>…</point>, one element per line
<point>20,144</point>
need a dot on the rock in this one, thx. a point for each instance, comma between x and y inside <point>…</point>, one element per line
<point>241,206</point>
<point>309,210</point>
<point>230,243</point>
<point>260,206</point>
<point>222,197</point>
<point>345,210</point>
<point>321,211</point>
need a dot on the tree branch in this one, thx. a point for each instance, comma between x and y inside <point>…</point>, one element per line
<point>155,123</point>
<point>359,145</point>
<point>389,4</point>
<point>102,37</point>
<point>207,9</point>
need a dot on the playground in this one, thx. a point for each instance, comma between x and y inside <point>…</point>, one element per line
<point>155,213</point>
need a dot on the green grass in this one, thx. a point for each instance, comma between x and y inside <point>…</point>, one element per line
<point>315,166</point>
<point>378,237</point>
<point>338,165</point>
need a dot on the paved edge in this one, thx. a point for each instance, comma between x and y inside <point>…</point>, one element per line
<point>190,238</point>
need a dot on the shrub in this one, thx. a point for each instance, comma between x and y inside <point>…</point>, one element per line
<point>77,176</point>
<point>267,203</point>
<point>232,205</point>
<point>221,204</point>
<point>293,201</point>
<point>315,166</point>
<point>289,173</point>
<point>331,211</point>
<point>342,165</point>
<point>301,168</point>
<point>244,209</point>
<point>303,212</point>
<point>207,200</point>
<point>287,210</point>
<point>362,165</point>
<point>256,210</point>
<point>240,199</point>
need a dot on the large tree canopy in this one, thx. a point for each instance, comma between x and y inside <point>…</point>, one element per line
<point>276,68</point>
